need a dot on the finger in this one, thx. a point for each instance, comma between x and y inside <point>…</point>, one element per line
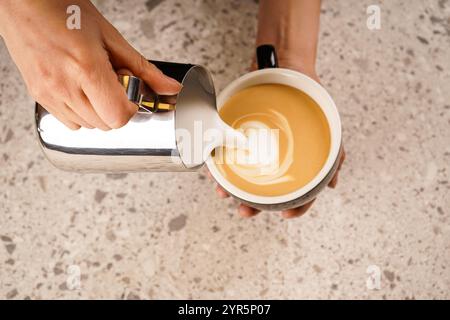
<point>221,192</point>
<point>83,108</point>
<point>124,71</point>
<point>108,97</point>
<point>72,116</point>
<point>343,156</point>
<point>123,55</point>
<point>333,182</point>
<point>247,212</point>
<point>297,212</point>
<point>58,115</point>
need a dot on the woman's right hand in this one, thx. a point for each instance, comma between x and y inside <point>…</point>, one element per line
<point>72,72</point>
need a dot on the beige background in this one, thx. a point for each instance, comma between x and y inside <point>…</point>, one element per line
<point>166,235</point>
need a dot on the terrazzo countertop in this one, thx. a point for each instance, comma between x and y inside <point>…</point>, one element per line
<point>167,235</point>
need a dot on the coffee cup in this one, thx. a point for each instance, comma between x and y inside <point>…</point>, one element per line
<point>269,73</point>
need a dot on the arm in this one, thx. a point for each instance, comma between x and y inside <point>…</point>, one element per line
<point>292,26</point>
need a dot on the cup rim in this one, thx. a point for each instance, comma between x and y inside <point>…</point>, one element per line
<point>298,81</point>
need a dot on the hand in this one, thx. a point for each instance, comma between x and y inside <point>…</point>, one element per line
<point>246,211</point>
<point>72,73</point>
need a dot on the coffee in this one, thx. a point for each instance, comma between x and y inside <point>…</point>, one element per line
<point>302,139</point>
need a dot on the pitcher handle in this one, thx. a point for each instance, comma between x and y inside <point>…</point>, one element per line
<point>144,97</point>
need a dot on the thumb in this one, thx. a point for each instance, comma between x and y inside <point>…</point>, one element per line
<point>123,55</point>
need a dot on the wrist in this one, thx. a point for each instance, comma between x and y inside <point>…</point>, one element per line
<point>292,53</point>
<point>292,28</point>
<point>295,60</point>
<point>10,16</point>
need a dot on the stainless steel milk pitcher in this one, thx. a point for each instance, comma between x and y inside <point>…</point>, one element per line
<point>147,143</point>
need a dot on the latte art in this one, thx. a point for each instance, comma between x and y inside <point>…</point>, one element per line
<point>261,162</point>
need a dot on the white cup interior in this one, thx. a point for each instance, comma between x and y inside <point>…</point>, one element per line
<point>311,88</point>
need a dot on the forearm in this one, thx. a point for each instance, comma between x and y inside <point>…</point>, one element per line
<point>292,26</point>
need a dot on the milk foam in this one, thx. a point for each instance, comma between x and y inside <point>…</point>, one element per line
<point>261,162</point>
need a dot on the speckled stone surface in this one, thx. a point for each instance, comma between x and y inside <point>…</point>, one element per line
<point>167,235</point>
